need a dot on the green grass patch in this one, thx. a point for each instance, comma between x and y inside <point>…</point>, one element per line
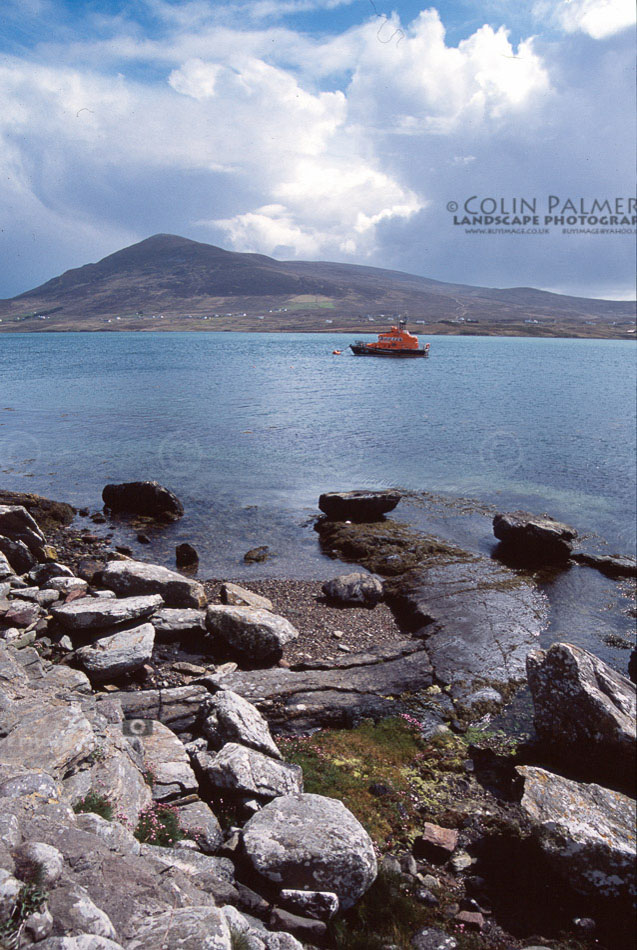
<point>310,305</point>
<point>98,804</point>
<point>159,824</point>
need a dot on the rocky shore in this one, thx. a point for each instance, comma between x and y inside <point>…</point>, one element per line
<point>293,764</point>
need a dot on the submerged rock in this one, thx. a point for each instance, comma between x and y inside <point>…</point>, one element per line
<point>143,498</point>
<point>534,540</point>
<point>583,707</point>
<point>608,564</point>
<point>186,555</point>
<point>309,842</point>
<point>358,505</point>
<point>586,832</point>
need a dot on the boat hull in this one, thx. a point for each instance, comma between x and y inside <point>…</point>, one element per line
<point>362,349</point>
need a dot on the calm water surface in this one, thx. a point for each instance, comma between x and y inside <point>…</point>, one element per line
<point>248,429</point>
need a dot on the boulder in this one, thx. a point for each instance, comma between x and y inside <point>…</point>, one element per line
<point>166,759</point>
<point>583,707</point>
<point>233,719</point>
<point>586,832</point>
<point>6,571</point>
<point>310,842</point>
<point>199,822</point>
<point>236,596</point>
<point>255,632</point>
<point>179,707</point>
<point>246,772</point>
<point>18,555</point>
<point>122,652</point>
<point>173,623</point>
<point>55,738</point>
<point>17,524</point>
<point>354,588</point>
<point>66,585</point>
<point>183,928</point>
<point>322,905</point>
<point>531,540</point>
<point>44,572</point>
<point>257,555</point>
<point>143,498</point>
<point>136,577</point>
<point>99,613</point>
<point>358,505</point>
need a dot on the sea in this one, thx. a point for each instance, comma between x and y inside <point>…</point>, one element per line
<point>248,430</point>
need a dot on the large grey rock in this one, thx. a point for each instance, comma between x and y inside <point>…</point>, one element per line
<point>358,505</point>
<point>587,832</point>
<point>44,572</point>
<point>47,859</point>
<point>199,822</point>
<point>6,571</point>
<point>311,842</point>
<point>255,632</point>
<point>237,596</point>
<point>479,618</point>
<point>136,577</point>
<point>583,707</point>
<point>178,707</point>
<point>339,692</point>
<point>246,772</point>
<point>143,498</point>
<point>17,524</point>
<point>18,554</point>
<point>116,835</point>
<point>97,613</point>
<point>166,759</point>
<point>122,652</point>
<point>321,905</point>
<point>356,588</point>
<point>531,539</point>
<point>66,584</point>
<point>54,738</point>
<point>184,928</point>
<point>173,623</point>
<point>233,719</point>
<point>75,913</point>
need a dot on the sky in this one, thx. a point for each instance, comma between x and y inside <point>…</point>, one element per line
<point>388,134</point>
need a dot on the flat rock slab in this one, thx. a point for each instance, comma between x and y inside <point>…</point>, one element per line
<point>258,633</point>
<point>533,540</point>
<point>56,738</point>
<point>314,843</point>
<point>178,707</point>
<point>122,652</point>
<point>128,578</point>
<point>100,613</point>
<point>249,773</point>
<point>586,831</point>
<point>583,706</point>
<point>607,564</point>
<point>236,596</point>
<point>358,505</point>
<point>186,928</point>
<point>364,685</point>
<point>166,759</point>
<point>173,623</point>
<point>480,620</point>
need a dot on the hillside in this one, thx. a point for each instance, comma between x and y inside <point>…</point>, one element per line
<point>170,282</point>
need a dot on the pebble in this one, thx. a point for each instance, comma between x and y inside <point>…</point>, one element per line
<point>343,648</point>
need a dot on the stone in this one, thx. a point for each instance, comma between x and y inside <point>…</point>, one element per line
<point>307,928</point>
<point>430,938</point>
<point>236,596</point>
<point>257,555</point>
<point>584,707</point>
<point>435,843</point>
<point>199,822</point>
<point>45,572</point>
<point>9,890</point>
<point>74,912</point>
<point>472,920</point>
<point>311,842</point>
<point>173,623</point>
<point>44,862</point>
<point>253,631</point>
<point>178,707</point>
<point>533,540</point>
<point>98,613</point>
<point>167,762</point>
<point>247,772</point>
<point>136,577</point>
<point>460,861</point>
<point>586,832</point>
<point>143,498</point>
<point>47,597</point>
<point>17,524</point>
<point>214,875</point>
<point>57,739</point>
<point>122,652</point>
<point>321,905</point>
<point>17,554</point>
<point>81,942</point>
<point>116,835</point>
<point>233,719</point>
<point>38,925</point>
<point>358,505</point>
<point>20,613</point>
<point>186,555</point>
<point>66,584</point>
<point>612,566</point>
<point>356,588</point>
<point>6,571</point>
<point>183,928</point>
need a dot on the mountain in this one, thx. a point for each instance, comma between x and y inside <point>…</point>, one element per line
<point>170,282</point>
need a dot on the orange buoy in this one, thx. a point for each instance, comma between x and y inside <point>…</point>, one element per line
<point>336,352</point>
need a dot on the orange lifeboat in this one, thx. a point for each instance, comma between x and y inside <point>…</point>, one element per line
<point>397,341</point>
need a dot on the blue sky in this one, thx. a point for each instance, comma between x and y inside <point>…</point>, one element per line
<point>316,129</point>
